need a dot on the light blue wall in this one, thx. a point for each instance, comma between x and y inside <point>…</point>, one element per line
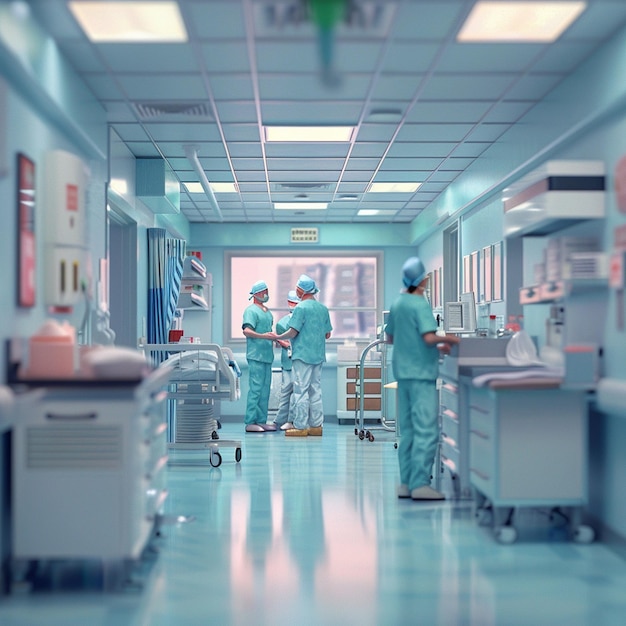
<point>44,108</point>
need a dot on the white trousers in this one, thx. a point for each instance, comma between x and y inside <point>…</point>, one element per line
<point>307,394</point>
<point>285,399</point>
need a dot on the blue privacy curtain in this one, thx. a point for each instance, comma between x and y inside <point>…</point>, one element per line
<point>165,270</point>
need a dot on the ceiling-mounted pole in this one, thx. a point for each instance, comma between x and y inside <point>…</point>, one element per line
<point>192,155</point>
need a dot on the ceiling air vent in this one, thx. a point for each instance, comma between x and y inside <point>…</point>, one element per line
<point>302,187</point>
<point>173,111</point>
<point>305,235</point>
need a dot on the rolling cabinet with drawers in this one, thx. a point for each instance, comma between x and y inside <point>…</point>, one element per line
<point>528,448</point>
<point>347,397</point>
<point>454,432</point>
<point>88,472</point>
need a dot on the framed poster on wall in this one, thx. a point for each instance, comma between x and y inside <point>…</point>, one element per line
<point>467,274</point>
<point>497,273</point>
<point>475,275</point>
<point>487,275</point>
<point>26,245</point>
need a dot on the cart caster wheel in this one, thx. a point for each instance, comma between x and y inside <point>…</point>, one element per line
<point>215,459</point>
<point>237,454</point>
<point>395,445</point>
<point>484,517</point>
<point>505,534</point>
<point>584,534</point>
<point>356,431</point>
<point>214,435</point>
<point>370,436</point>
<point>361,435</point>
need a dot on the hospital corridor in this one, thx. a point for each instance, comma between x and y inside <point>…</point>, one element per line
<point>311,532</point>
<point>312,312</point>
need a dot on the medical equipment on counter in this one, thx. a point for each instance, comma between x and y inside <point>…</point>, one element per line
<point>460,317</point>
<point>201,374</point>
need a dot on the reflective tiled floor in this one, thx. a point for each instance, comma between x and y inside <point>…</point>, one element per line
<point>309,532</point>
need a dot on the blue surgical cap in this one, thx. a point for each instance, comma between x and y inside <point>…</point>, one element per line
<point>292,296</point>
<point>260,285</point>
<point>307,284</point>
<point>413,272</point>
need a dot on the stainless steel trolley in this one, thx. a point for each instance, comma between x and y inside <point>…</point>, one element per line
<point>387,425</point>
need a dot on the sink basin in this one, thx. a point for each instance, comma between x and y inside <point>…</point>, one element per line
<point>476,352</point>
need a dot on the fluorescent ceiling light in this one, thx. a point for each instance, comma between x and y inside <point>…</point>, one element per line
<point>224,187</point>
<point>216,187</point>
<point>372,212</point>
<point>301,205</point>
<point>393,187</point>
<point>519,21</point>
<point>309,133</point>
<point>130,21</point>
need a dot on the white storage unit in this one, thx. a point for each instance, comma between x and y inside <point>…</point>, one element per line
<point>528,448</point>
<point>88,470</point>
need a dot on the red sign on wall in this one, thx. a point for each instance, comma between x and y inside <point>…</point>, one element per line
<point>26,231</point>
<point>71,194</point>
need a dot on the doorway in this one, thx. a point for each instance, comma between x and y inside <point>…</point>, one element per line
<point>122,257</point>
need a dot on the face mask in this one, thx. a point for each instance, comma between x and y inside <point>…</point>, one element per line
<point>263,299</point>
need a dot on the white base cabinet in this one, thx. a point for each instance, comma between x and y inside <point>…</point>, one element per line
<point>88,472</point>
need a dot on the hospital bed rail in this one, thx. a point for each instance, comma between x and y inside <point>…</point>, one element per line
<point>192,391</point>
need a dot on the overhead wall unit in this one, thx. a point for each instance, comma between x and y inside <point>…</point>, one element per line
<point>554,196</point>
<point>157,186</point>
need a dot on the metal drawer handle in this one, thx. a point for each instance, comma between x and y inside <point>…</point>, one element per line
<point>71,418</point>
<point>479,409</point>
<point>480,434</point>
<point>480,474</point>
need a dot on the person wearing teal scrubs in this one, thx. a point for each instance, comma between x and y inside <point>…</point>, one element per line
<point>257,328</point>
<point>282,419</point>
<point>411,329</point>
<point>309,328</point>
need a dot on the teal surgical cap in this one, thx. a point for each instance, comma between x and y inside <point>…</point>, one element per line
<point>292,296</point>
<point>307,284</point>
<point>413,272</point>
<point>260,285</point>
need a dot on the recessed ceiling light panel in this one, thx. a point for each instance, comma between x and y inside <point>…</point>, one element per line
<point>393,187</point>
<point>306,134</point>
<point>130,21</point>
<point>301,205</point>
<point>519,21</point>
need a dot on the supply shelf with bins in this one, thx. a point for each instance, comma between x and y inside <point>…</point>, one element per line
<point>348,376</point>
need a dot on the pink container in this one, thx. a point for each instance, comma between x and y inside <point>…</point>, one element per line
<point>51,353</point>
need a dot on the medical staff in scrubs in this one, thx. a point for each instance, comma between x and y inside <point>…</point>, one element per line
<point>411,329</point>
<point>283,420</point>
<point>309,328</point>
<point>257,328</point>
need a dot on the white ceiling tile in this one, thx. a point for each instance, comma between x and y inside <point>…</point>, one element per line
<point>413,92</point>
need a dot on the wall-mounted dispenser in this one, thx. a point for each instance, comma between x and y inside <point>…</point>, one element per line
<point>64,198</point>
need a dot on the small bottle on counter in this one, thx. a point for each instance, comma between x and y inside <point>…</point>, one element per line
<point>493,331</point>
